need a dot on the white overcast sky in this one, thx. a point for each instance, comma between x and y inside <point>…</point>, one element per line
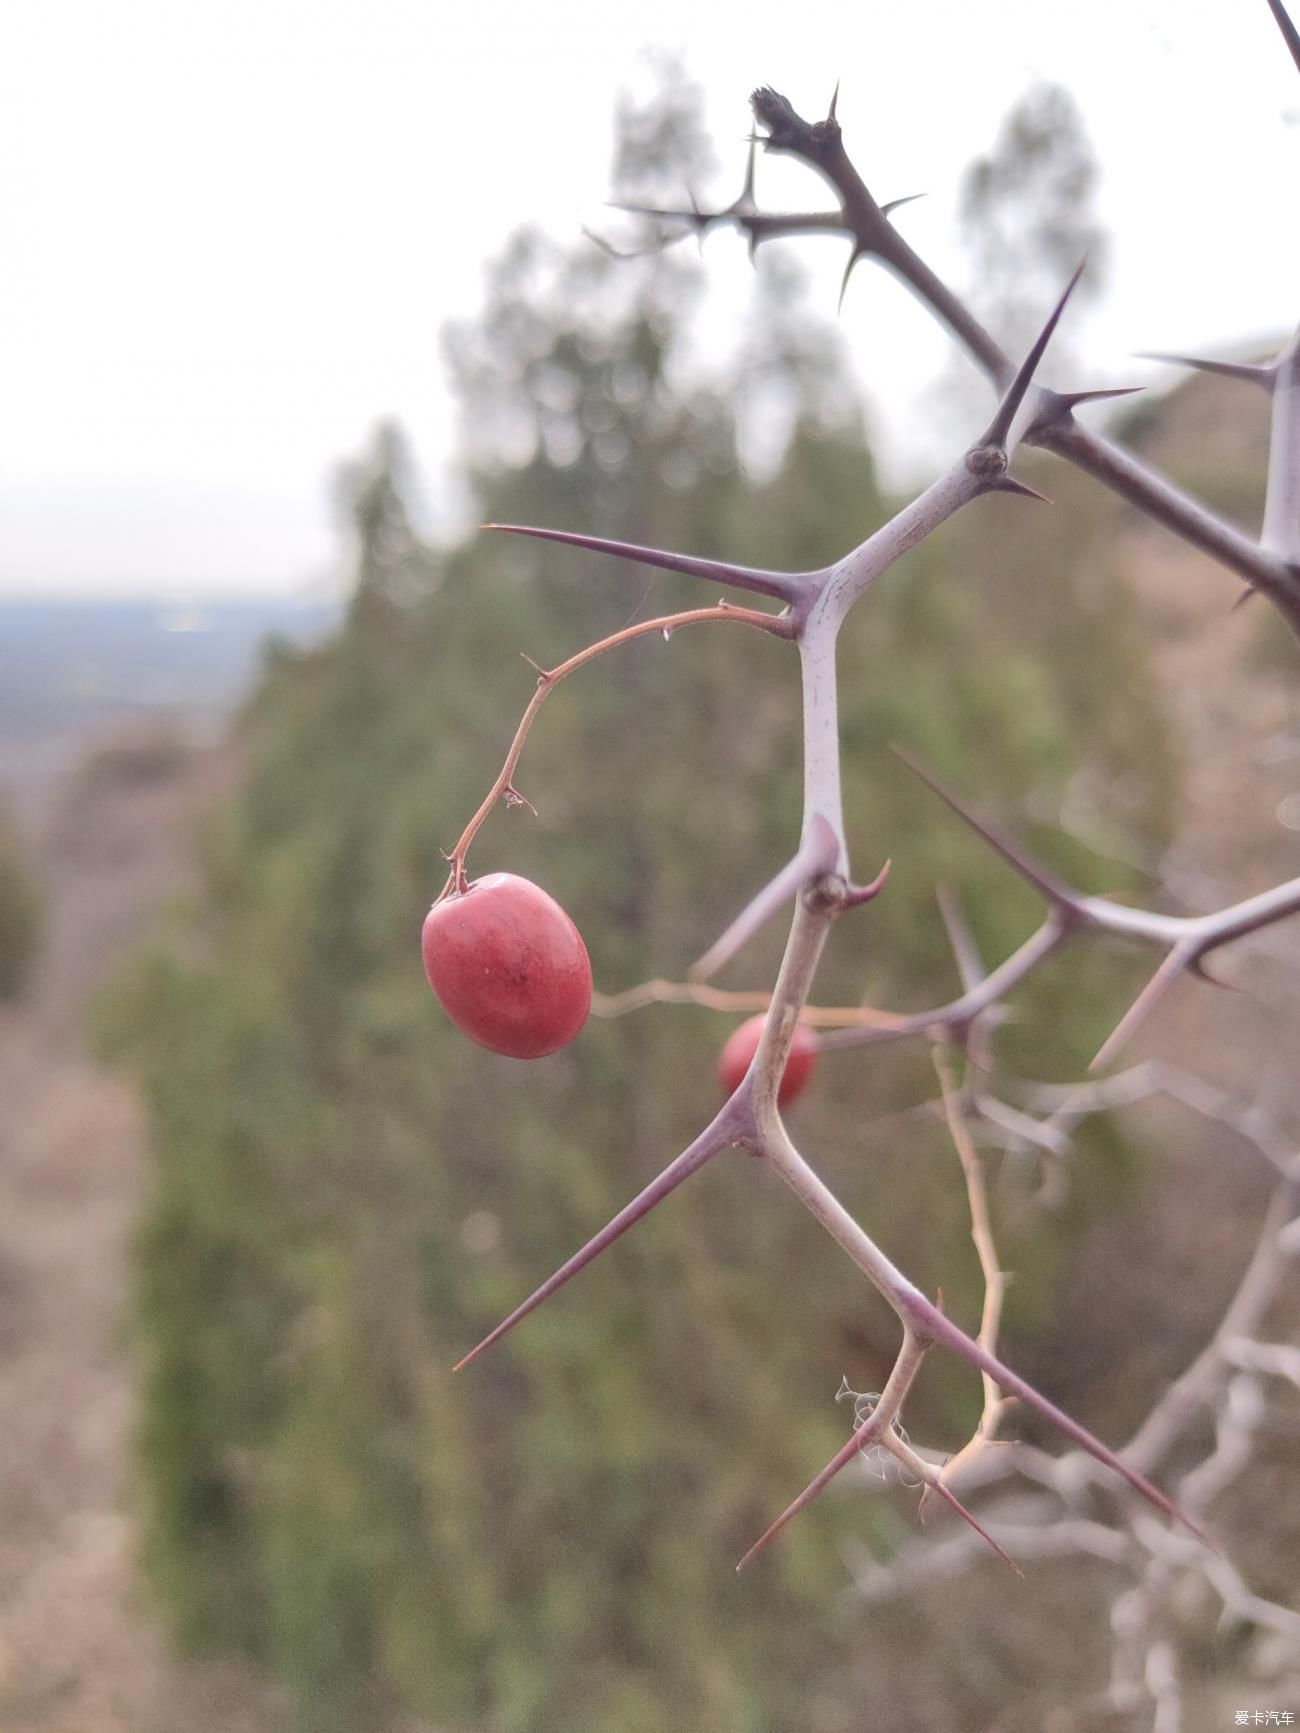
<point>230,233</point>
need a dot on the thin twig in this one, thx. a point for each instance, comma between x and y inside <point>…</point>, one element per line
<point>995,1281</point>
<point>549,679</point>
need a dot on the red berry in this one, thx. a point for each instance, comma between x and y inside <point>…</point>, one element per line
<point>508,966</point>
<point>741,1046</point>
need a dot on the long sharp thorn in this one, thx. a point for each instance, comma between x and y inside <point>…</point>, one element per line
<point>1289,33</point>
<point>780,584</point>
<point>1072,399</point>
<point>835,97</point>
<point>970,965</point>
<point>897,204</point>
<point>995,434</point>
<point>1253,374</point>
<point>1009,484</point>
<point>818,854</point>
<point>854,256</point>
<point>842,1457</point>
<point>1057,892</point>
<point>1142,1007</point>
<point>689,1162</point>
<point>660,215</point>
<point>747,191</point>
<point>613,252</point>
<point>947,1493</point>
<point>948,1335</point>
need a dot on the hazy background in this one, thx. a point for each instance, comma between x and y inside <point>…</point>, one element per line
<point>232,232</point>
<point>299,294</point>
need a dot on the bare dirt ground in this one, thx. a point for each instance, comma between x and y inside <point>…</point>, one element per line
<point>80,1649</point>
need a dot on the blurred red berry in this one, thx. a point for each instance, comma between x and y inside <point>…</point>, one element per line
<point>741,1046</point>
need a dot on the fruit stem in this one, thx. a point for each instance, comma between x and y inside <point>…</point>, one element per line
<point>548,679</point>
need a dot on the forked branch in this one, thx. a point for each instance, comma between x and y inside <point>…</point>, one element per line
<point>818,878</point>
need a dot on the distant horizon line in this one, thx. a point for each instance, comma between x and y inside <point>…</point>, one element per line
<point>165,598</point>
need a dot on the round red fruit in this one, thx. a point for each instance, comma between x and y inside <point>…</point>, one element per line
<point>741,1046</point>
<point>508,966</point>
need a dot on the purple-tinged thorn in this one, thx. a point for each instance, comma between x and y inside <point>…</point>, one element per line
<point>1141,1008</point>
<point>1073,398</point>
<point>951,1498</point>
<point>897,204</point>
<point>867,893</point>
<point>1252,373</point>
<point>842,1457</point>
<point>1057,892</point>
<point>781,585</point>
<point>1009,484</point>
<point>707,1145</point>
<point>1290,35</point>
<point>857,253</point>
<point>995,434</point>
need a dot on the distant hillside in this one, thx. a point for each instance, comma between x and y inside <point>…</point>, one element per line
<point>65,664</point>
<point>1227,672</point>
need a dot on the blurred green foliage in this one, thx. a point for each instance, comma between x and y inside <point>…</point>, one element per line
<point>346,1195</point>
<point>21,911</point>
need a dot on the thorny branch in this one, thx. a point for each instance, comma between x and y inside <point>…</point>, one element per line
<point>1058,1518</point>
<point>1271,565</point>
<point>818,605</point>
<point>1150,1630</point>
<point>1186,939</point>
